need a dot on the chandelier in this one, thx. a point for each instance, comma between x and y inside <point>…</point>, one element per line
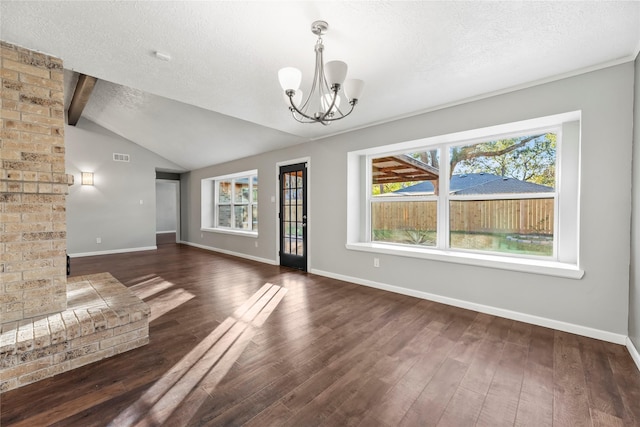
<point>323,103</point>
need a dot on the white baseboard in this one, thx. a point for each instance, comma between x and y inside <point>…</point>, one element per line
<point>224,251</point>
<point>500,312</point>
<point>165,232</point>
<point>633,351</point>
<point>113,251</point>
<point>514,315</point>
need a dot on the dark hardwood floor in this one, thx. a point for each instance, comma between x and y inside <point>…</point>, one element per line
<point>165,238</point>
<point>236,342</point>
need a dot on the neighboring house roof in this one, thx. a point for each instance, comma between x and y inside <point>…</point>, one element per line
<point>481,183</point>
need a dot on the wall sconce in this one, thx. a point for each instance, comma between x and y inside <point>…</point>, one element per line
<point>87,178</point>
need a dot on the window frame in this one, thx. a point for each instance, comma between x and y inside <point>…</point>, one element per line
<point>210,203</point>
<point>565,259</point>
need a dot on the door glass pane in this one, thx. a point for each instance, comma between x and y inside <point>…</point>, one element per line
<point>293,214</point>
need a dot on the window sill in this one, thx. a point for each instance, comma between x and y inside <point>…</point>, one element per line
<point>253,234</point>
<point>549,268</point>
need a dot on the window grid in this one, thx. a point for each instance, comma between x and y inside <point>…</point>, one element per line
<point>293,211</point>
<point>236,203</point>
<point>444,199</point>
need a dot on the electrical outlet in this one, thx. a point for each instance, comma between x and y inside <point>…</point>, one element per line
<point>98,239</point>
<point>376,262</point>
<point>256,243</point>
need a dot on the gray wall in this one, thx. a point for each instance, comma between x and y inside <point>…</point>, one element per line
<point>166,205</point>
<point>600,300</point>
<point>111,209</point>
<point>634,291</point>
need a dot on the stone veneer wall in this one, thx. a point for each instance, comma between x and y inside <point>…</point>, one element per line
<point>33,185</point>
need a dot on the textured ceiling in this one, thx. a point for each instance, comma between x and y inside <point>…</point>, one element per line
<point>218,98</point>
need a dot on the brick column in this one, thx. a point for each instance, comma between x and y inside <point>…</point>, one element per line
<point>33,185</point>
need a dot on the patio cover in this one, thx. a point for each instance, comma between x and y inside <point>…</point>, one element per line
<point>401,168</point>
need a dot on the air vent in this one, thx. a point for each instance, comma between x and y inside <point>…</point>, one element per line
<point>117,157</point>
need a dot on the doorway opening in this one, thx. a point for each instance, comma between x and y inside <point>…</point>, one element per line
<point>167,211</point>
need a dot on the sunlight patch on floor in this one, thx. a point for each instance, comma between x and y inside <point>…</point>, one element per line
<point>182,390</point>
<point>150,287</point>
<point>167,301</point>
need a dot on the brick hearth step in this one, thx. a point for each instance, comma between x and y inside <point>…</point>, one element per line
<point>103,318</point>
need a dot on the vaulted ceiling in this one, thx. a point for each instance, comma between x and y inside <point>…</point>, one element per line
<point>218,96</point>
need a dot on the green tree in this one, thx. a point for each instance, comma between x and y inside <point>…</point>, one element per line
<point>529,158</point>
<point>430,157</point>
<point>390,187</point>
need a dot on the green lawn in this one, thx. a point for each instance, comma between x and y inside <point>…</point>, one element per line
<point>506,243</point>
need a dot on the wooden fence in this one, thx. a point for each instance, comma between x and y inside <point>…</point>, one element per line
<point>526,216</point>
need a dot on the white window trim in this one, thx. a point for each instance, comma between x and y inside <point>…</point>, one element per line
<point>359,202</point>
<point>209,204</point>
<point>527,265</point>
<point>236,232</point>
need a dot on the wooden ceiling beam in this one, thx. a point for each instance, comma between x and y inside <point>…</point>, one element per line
<point>81,95</point>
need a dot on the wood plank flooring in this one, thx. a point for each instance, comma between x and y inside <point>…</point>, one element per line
<point>226,350</point>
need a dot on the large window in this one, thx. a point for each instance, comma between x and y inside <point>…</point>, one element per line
<point>494,195</point>
<point>230,203</point>
<point>504,193</point>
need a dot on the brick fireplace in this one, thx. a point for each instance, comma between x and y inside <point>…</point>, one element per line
<point>48,324</point>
